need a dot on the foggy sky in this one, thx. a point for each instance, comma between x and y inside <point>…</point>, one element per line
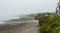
<point>9,8</point>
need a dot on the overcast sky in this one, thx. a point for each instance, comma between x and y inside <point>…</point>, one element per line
<point>19,7</point>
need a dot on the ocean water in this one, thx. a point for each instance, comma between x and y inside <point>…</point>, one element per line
<point>5,18</point>
<point>2,23</point>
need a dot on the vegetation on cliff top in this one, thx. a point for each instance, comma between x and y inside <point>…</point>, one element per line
<point>50,26</point>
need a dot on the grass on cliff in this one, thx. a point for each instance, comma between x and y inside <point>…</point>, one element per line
<point>50,26</point>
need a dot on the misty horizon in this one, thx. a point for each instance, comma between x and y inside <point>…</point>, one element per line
<point>10,8</point>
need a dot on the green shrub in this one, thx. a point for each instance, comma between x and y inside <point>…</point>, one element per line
<point>53,27</point>
<point>45,29</point>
